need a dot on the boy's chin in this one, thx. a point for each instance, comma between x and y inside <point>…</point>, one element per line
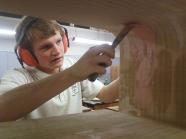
<point>59,65</point>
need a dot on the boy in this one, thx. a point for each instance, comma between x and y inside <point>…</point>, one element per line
<point>49,85</point>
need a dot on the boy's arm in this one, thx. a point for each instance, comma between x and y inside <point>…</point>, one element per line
<point>110,92</point>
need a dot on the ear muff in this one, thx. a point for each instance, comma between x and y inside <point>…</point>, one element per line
<point>65,40</point>
<point>23,54</point>
<point>27,57</point>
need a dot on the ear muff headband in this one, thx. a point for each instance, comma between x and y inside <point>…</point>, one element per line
<point>26,55</point>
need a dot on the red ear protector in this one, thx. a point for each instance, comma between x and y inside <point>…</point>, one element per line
<point>26,57</point>
<point>24,54</point>
<point>65,40</point>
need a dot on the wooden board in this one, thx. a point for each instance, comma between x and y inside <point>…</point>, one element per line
<point>104,124</point>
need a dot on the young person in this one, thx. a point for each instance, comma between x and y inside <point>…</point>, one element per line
<point>49,84</point>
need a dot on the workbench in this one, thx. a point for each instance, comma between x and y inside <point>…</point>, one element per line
<point>100,124</point>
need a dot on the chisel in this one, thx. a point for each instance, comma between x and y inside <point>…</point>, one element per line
<point>115,43</point>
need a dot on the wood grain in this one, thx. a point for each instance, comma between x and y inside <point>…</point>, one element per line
<point>114,72</point>
<point>154,72</point>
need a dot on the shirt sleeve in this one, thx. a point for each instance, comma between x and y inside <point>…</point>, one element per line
<point>12,79</point>
<point>91,89</point>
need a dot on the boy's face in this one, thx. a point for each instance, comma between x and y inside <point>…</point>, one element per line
<point>49,52</point>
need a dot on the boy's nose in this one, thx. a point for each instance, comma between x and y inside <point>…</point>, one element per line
<point>55,50</point>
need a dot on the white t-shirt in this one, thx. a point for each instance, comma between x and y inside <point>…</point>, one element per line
<point>67,102</point>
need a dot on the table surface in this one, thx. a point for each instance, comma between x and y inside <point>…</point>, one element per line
<point>101,124</point>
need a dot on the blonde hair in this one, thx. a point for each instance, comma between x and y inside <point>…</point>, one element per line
<point>25,32</point>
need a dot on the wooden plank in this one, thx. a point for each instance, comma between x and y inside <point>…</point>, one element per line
<point>108,14</point>
<point>104,124</point>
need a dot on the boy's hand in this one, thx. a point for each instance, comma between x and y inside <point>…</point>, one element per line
<point>92,62</point>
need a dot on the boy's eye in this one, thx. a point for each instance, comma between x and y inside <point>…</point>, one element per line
<point>46,47</point>
<point>59,41</point>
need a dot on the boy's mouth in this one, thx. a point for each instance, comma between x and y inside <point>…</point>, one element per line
<point>58,59</point>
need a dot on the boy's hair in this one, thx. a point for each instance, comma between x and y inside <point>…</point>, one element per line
<point>28,27</point>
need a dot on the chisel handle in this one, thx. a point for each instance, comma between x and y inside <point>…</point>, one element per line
<point>94,76</point>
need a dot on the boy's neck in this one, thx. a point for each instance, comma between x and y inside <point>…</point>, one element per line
<point>49,71</point>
